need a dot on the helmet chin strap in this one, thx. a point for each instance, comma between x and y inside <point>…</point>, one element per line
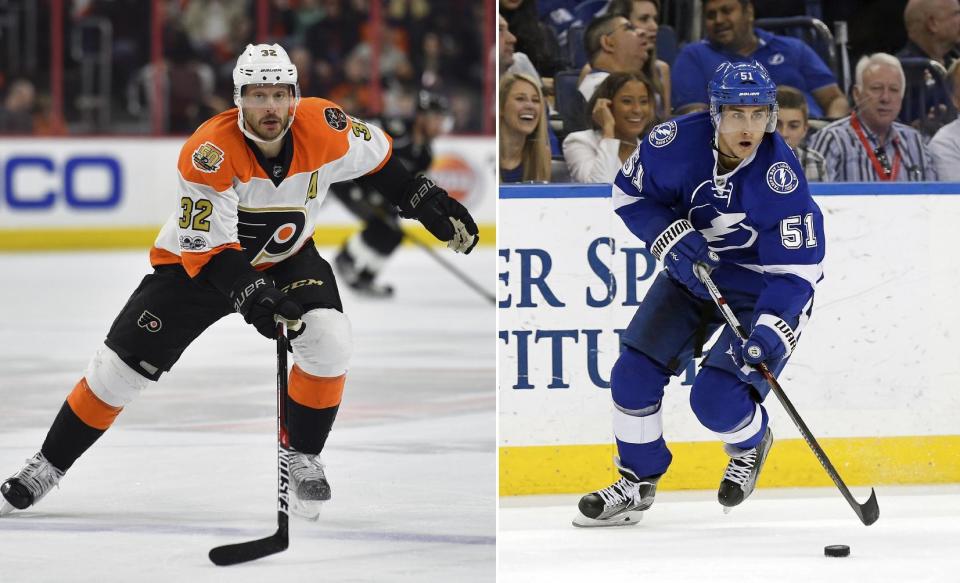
<point>716,146</point>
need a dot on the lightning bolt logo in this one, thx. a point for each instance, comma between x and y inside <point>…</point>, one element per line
<point>724,224</point>
<point>721,225</point>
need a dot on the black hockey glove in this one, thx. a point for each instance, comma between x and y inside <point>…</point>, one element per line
<point>444,217</point>
<point>258,301</point>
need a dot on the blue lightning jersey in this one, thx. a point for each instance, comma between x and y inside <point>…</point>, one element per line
<point>759,218</point>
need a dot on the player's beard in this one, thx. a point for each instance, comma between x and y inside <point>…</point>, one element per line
<point>264,130</point>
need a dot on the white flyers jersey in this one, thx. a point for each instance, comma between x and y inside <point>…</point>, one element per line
<point>227,201</point>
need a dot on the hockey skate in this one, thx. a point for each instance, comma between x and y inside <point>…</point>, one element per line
<point>742,472</point>
<point>308,485</point>
<point>361,280</point>
<point>620,504</point>
<point>29,485</point>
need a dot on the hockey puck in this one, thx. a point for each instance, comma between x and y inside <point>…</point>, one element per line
<point>836,551</point>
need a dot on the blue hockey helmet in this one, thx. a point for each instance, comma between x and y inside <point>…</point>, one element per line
<point>743,84</point>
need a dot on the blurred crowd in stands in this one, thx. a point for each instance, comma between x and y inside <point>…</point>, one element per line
<point>109,77</point>
<point>868,89</point>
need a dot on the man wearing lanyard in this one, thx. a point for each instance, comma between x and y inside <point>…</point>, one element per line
<point>868,145</point>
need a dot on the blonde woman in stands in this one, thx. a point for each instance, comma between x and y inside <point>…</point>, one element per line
<point>622,109</point>
<point>524,149</point>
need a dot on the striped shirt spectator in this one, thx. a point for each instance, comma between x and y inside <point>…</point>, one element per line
<point>814,165</point>
<point>868,145</point>
<point>903,158</point>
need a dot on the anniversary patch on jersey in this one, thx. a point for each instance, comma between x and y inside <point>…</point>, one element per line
<point>198,243</point>
<point>663,134</point>
<point>335,118</point>
<point>207,158</point>
<point>782,179</point>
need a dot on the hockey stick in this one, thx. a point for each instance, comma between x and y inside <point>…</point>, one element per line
<point>280,540</point>
<point>869,511</point>
<point>378,213</point>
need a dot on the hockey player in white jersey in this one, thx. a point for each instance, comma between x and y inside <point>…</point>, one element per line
<point>251,181</point>
<point>721,189</point>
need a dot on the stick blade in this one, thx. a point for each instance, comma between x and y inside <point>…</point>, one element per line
<point>250,550</point>
<point>869,511</point>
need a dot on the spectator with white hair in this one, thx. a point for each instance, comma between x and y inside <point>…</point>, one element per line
<point>869,145</point>
<point>945,145</point>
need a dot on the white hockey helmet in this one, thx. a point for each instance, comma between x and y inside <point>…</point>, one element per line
<point>264,65</point>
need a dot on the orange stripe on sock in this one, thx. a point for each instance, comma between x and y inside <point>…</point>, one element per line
<point>315,392</point>
<point>89,408</point>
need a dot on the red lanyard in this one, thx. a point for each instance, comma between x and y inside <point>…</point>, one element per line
<point>882,174</point>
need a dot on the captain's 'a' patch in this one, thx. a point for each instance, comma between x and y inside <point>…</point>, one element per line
<point>207,158</point>
<point>335,118</point>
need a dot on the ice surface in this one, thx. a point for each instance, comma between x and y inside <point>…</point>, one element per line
<point>191,464</point>
<point>776,536</point>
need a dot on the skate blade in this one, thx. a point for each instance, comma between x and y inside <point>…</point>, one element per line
<point>307,510</point>
<point>625,519</point>
<point>7,508</point>
<point>727,509</point>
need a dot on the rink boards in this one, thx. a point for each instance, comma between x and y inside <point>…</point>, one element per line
<point>874,376</point>
<point>115,192</point>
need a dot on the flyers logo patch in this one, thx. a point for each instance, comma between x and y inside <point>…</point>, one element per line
<point>207,158</point>
<point>150,322</point>
<point>269,233</point>
<point>335,118</point>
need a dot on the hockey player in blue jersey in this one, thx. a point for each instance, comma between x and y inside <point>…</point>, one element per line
<point>719,188</point>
